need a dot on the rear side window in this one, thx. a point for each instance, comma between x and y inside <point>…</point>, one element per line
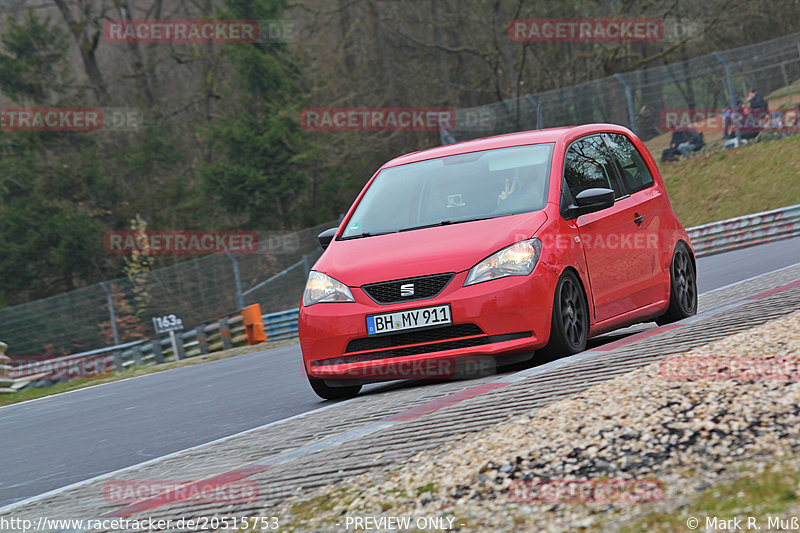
<point>635,173</point>
<point>587,165</point>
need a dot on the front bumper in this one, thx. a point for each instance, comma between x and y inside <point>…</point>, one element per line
<point>497,318</point>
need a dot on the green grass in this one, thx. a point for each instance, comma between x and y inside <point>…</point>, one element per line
<point>785,97</point>
<point>770,493</point>
<point>729,183</point>
<point>324,503</point>
<point>82,383</point>
<point>428,487</point>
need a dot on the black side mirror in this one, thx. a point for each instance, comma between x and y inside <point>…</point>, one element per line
<point>326,237</point>
<point>591,200</point>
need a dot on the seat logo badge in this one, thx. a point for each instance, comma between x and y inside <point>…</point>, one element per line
<point>407,289</point>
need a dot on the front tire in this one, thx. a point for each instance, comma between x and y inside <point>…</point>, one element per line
<point>682,287</point>
<point>569,328</point>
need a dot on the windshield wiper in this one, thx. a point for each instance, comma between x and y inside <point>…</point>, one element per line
<point>366,234</point>
<point>445,223</point>
<point>442,223</point>
<point>432,225</point>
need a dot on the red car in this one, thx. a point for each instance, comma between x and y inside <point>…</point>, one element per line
<point>457,257</point>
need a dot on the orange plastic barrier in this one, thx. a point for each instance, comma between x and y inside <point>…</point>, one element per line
<point>253,325</point>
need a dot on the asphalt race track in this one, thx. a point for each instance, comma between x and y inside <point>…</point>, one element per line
<point>64,439</point>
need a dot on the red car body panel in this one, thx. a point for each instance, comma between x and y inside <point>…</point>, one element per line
<point>425,251</point>
<point>622,264</point>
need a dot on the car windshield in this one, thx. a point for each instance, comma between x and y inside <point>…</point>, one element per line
<point>457,188</point>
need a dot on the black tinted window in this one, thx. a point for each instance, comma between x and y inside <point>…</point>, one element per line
<point>635,173</point>
<point>587,166</point>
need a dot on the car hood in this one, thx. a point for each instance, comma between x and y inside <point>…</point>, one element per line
<point>408,254</point>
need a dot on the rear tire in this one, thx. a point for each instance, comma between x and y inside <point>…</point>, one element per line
<point>682,287</point>
<point>332,393</point>
<point>569,328</point>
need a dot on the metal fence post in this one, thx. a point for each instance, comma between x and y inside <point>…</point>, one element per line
<point>629,98</point>
<point>201,339</point>
<point>111,314</point>
<point>181,350</point>
<point>118,361</point>
<point>157,355</point>
<point>786,82</point>
<point>536,103</point>
<point>238,280</point>
<point>137,355</point>
<point>225,333</point>
<point>728,78</point>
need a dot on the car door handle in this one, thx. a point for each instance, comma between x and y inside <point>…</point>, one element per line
<point>638,219</point>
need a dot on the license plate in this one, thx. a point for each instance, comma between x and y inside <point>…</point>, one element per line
<point>424,317</point>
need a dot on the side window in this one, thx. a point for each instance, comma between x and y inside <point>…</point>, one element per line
<point>587,165</point>
<point>635,173</point>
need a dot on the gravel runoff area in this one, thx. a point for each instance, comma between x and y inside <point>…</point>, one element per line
<point>644,442</point>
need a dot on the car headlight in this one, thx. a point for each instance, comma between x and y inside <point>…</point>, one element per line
<point>515,260</point>
<point>323,288</point>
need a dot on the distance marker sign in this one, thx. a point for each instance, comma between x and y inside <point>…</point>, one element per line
<point>167,323</point>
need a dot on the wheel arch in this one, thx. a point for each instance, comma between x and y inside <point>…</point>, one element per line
<point>691,253</point>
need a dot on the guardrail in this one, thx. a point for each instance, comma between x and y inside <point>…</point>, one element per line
<point>228,332</point>
<point>17,372</point>
<point>224,334</point>
<point>748,230</point>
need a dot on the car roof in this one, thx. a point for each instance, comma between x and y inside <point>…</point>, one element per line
<point>502,141</point>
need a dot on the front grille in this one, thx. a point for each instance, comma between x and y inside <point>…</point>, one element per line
<point>413,337</point>
<point>422,348</point>
<point>424,287</point>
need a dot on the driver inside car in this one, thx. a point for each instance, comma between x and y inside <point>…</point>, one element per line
<point>523,193</point>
